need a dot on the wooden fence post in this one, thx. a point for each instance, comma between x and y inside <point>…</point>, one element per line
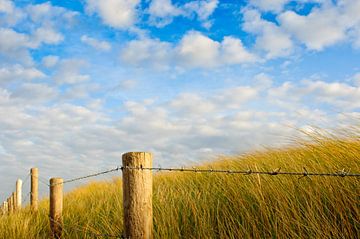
<point>18,194</point>
<point>9,205</point>
<point>5,207</point>
<point>137,195</point>
<point>56,206</point>
<point>34,189</point>
<point>13,202</point>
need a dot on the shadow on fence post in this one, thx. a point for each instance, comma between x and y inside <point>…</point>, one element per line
<point>34,188</point>
<point>137,195</point>
<point>56,206</point>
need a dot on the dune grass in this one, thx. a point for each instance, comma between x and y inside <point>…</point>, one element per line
<point>196,205</point>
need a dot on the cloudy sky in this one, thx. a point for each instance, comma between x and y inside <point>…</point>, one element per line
<point>82,82</point>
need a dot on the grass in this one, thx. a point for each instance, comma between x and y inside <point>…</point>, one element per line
<point>194,205</point>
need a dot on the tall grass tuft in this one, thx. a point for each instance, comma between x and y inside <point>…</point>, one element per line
<point>194,205</point>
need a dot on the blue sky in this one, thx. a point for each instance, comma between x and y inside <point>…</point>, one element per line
<point>82,82</point>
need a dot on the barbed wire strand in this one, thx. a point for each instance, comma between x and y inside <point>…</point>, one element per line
<point>26,197</point>
<point>26,178</point>
<point>305,173</point>
<point>342,173</point>
<point>89,176</point>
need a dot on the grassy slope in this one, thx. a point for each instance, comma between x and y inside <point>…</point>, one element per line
<point>193,205</point>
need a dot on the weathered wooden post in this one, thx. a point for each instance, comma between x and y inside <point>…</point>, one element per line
<point>56,206</point>
<point>34,189</point>
<point>18,194</point>
<point>9,205</point>
<point>13,204</point>
<point>137,195</point>
<point>4,208</point>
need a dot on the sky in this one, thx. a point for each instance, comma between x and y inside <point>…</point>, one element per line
<point>82,82</point>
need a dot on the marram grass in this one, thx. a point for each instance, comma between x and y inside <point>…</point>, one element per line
<point>194,205</point>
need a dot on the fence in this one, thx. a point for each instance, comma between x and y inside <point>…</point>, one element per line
<point>137,193</point>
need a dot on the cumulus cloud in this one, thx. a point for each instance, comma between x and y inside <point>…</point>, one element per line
<point>9,13</point>
<point>14,45</point>
<point>162,12</point>
<point>335,94</point>
<point>69,72</point>
<point>327,23</point>
<point>34,92</point>
<point>266,5</point>
<point>19,73</point>
<point>50,61</point>
<point>323,26</point>
<point>46,35</point>
<point>147,52</point>
<point>47,14</point>
<point>194,50</point>
<point>120,14</point>
<point>97,44</point>
<point>198,50</point>
<point>269,37</point>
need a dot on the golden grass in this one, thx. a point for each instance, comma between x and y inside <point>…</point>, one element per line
<point>194,205</point>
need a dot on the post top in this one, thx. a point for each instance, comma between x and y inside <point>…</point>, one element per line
<point>137,153</point>
<point>56,181</point>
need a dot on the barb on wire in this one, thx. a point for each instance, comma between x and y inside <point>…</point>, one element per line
<point>275,172</point>
<point>90,175</point>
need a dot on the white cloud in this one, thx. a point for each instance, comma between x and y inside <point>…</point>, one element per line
<point>324,26</point>
<point>34,92</point>
<point>50,61</point>
<point>316,30</point>
<point>11,40</point>
<point>269,37</point>
<point>97,44</point>
<point>19,73</point>
<point>69,72</point>
<point>163,8</point>
<point>144,52</point>
<point>262,81</point>
<point>272,5</point>
<point>120,14</point>
<point>15,45</point>
<point>194,50</point>
<point>197,50</point>
<point>203,9</point>
<point>6,6</point>
<point>9,13</point>
<point>234,52</point>
<point>46,35</point>
<point>47,14</point>
<point>162,12</point>
<point>336,94</point>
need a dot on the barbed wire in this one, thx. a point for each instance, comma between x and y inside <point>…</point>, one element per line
<point>26,197</point>
<point>89,176</point>
<point>341,173</point>
<point>305,173</point>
